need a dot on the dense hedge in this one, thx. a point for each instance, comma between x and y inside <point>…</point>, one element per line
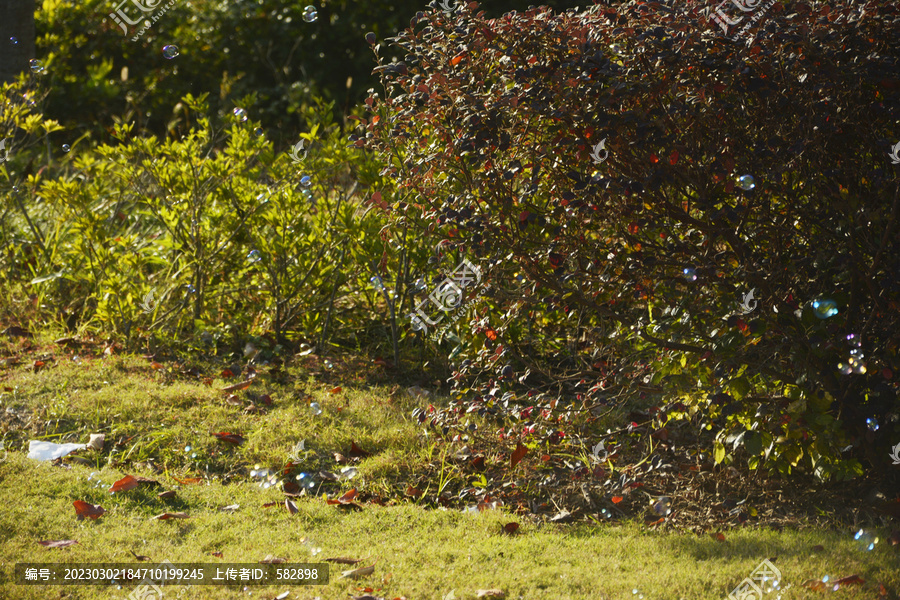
<point>625,271</point>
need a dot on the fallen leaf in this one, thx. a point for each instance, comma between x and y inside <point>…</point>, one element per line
<point>241,385</point>
<point>562,516</point>
<point>894,538</point>
<point>367,597</point>
<point>490,594</point>
<point>719,536</point>
<point>266,399</point>
<point>291,487</point>
<point>350,496</point>
<point>270,504</point>
<point>233,400</point>
<point>814,584</point>
<point>340,458</point>
<point>328,476</point>
<point>37,365</point>
<point>336,390</point>
<point>357,452</point>
<point>176,515</point>
<point>166,495</point>
<point>272,560</point>
<point>414,492</point>
<point>83,509</point>
<point>292,508</point>
<point>231,438</point>
<point>139,557</point>
<point>230,508</point>
<point>616,499</point>
<point>188,480</point>
<point>155,365</point>
<point>282,595</point>
<point>357,573</point>
<point>58,543</point>
<point>217,554</point>
<point>344,561</point>
<point>123,485</point>
<point>96,441</point>
<point>818,548</point>
<point>851,580</point>
<point>517,455</point>
<point>511,528</point>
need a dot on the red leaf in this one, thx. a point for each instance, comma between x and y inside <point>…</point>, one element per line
<point>336,390</point>
<point>719,536</point>
<point>226,374</point>
<point>851,580</point>
<point>456,59</point>
<point>673,159</point>
<point>231,438</point>
<point>123,485</point>
<point>517,455</point>
<point>491,334</point>
<point>414,492</point>
<point>217,554</point>
<point>348,497</point>
<point>356,451</point>
<point>654,158</point>
<point>511,528</point>
<point>168,494</point>
<point>241,385</point>
<point>57,543</point>
<point>617,499</point>
<point>83,509</point>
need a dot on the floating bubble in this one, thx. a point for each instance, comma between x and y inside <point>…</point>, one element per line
<point>328,365</point>
<point>240,114</point>
<point>844,368</point>
<point>191,289</point>
<point>170,51</point>
<point>376,283</point>
<point>193,455</point>
<point>310,14</point>
<point>254,256</point>
<point>824,308</point>
<point>66,147</point>
<point>305,181</point>
<point>315,408</point>
<point>746,182</point>
<point>663,506</point>
<point>853,340</point>
<point>825,579</point>
<point>419,285</point>
<point>690,274</point>
<point>865,540</point>
<point>13,41</point>
<point>36,66</point>
<point>259,132</point>
<point>616,48</point>
<point>187,448</point>
<point>872,424</point>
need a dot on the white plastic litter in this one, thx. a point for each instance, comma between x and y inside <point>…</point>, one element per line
<point>50,451</point>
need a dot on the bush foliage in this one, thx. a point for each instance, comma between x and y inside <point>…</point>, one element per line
<point>622,275</point>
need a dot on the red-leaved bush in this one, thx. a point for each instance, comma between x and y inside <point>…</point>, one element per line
<point>589,162</point>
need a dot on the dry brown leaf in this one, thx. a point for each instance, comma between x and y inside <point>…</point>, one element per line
<point>123,485</point>
<point>175,515</point>
<point>241,385</point>
<point>271,559</point>
<point>139,557</point>
<point>83,509</point>
<point>851,580</point>
<point>57,543</point>
<point>231,438</point>
<point>292,508</point>
<point>96,441</point>
<point>166,495</point>
<point>357,573</point>
<point>344,561</point>
<point>517,455</point>
<point>357,452</point>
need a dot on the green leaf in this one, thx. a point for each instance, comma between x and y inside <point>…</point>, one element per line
<point>719,452</point>
<point>753,443</point>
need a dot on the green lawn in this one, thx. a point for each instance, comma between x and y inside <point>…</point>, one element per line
<point>418,552</point>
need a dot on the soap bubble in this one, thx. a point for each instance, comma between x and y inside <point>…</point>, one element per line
<point>824,308</point>
<point>844,368</point>
<point>187,448</point>
<point>663,506</point>
<point>36,66</point>
<point>254,256</point>
<point>376,283</point>
<point>865,540</point>
<point>305,181</point>
<point>690,274</point>
<point>170,51</point>
<point>240,114</point>
<point>259,132</point>
<point>746,182</point>
<point>872,424</point>
<point>315,408</point>
<point>66,147</point>
<point>310,14</point>
<point>13,41</point>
